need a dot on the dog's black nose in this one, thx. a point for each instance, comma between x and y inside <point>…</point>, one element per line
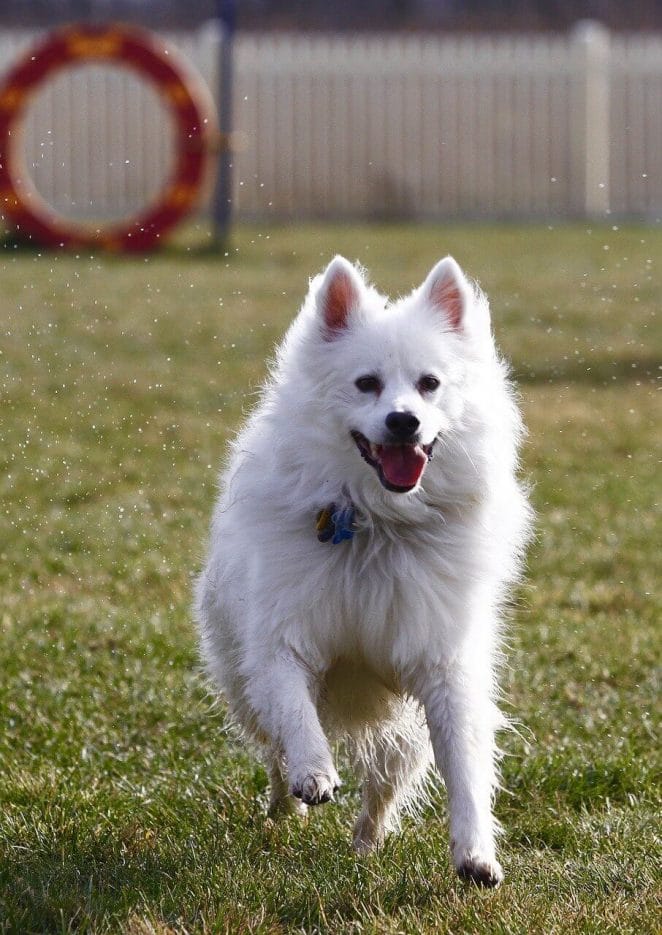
<point>402,425</point>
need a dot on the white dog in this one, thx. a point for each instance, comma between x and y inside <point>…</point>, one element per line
<point>354,584</point>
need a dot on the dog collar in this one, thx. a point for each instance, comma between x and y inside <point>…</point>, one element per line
<point>333,525</point>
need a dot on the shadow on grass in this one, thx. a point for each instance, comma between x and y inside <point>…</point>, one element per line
<point>73,872</point>
<point>294,877</point>
<point>44,891</point>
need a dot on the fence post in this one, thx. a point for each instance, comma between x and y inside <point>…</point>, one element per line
<point>592,39</point>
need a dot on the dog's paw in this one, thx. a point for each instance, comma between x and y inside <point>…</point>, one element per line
<point>286,806</point>
<point>368,835</point>
<point>315,788</point>
<point>481,872</point>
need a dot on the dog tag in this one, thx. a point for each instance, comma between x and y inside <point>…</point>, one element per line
<point>324,523</point>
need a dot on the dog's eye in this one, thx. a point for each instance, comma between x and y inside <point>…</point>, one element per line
<point>368,384</point>
<point>428,383</point>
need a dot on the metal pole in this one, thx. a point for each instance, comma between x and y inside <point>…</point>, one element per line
<point>222,206</point>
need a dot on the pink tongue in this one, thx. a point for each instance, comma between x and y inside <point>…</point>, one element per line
<point>402,465</point>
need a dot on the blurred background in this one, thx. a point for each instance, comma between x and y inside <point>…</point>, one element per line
<point>387,109</point>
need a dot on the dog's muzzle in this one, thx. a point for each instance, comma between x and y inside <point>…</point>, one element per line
<point>399,466</point>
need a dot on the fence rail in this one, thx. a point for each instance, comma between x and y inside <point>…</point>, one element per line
<point>378,126</point>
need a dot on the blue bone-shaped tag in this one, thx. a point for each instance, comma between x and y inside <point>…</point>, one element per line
<point>335,525</point>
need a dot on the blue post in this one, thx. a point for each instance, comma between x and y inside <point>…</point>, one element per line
<point>222,205</point>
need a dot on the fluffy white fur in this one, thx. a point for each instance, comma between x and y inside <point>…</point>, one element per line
<point>389,640</point>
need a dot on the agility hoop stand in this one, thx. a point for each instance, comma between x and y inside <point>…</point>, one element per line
<point>226,14</point>
<point>182,90</point>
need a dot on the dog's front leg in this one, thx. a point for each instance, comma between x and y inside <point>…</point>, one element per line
<point>461,718</point>
<point>281,692</point>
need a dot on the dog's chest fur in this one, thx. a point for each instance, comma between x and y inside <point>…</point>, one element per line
<point>391,597</point>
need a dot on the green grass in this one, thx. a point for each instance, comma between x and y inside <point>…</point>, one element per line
<point>125,806</point>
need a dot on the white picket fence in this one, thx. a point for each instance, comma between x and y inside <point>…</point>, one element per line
<point>377,126</point>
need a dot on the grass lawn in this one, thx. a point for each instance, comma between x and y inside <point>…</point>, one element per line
<point>124,804</point>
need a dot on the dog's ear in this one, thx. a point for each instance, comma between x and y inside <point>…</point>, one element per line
<point>338,294</point>
<point>447,289</point>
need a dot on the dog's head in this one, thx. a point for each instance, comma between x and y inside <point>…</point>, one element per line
<point>391,376</point>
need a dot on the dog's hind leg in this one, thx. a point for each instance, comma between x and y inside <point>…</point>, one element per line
<point>395,762</point>
<point>281,802</point>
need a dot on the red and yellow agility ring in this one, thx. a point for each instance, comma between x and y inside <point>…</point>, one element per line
<point>183,91</point>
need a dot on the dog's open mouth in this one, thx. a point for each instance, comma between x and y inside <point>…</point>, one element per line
<point>399,467</point>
